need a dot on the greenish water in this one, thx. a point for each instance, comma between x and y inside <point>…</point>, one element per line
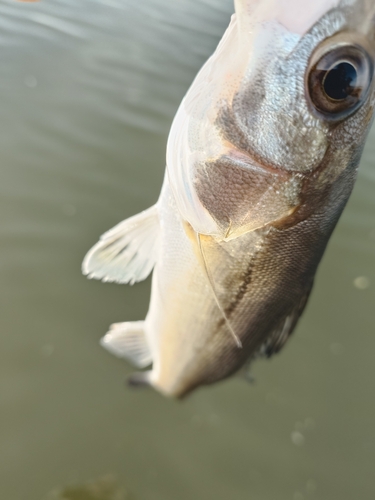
<point>88,90</point>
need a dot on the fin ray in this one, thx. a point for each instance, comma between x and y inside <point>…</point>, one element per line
<point>127,252</point>
<point>127,340</point>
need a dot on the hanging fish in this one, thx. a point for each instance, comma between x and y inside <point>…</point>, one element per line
<point>261,159</point>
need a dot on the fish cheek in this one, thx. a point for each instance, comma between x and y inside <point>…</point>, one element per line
<point>241,197</point>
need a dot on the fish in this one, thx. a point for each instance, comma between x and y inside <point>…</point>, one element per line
<point>262,157</point>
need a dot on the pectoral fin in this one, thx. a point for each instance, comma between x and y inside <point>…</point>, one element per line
<point>127,252</point>
<point>128,341</point>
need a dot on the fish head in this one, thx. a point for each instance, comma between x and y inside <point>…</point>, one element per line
<point>288,93</point>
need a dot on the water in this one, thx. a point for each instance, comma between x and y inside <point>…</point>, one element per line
<point>88,90</point>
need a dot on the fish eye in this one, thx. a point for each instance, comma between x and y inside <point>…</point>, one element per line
<point>338,80</point>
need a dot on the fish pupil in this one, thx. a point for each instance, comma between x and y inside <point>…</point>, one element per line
<point>340,81</point>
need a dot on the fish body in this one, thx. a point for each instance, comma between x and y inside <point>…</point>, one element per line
<point>261,159</point>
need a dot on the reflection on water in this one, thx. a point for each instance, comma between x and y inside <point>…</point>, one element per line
<point>104,488</point>
<point>88,90</point>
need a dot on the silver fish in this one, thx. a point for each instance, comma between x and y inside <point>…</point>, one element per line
<point>262,157</point>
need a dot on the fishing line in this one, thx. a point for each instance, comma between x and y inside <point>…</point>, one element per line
<point>210,280</point>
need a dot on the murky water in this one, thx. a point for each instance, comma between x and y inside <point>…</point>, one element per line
<point>88,90</point>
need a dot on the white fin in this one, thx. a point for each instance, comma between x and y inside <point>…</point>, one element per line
<point>140,379</point>
<point>128,340</point>
<point>127,252</point>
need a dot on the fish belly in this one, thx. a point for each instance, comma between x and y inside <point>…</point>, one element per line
<point>182,305</point>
